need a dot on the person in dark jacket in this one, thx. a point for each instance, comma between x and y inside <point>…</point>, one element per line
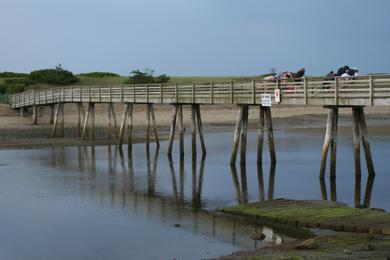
<point>342,70</point>
<point>299,74</point>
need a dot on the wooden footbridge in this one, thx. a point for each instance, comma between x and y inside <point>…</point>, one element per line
<point>331,93</point>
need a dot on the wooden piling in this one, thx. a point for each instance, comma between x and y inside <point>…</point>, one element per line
<point>147,142</point>
<point>172,131</point>
<point>80,113</point>
<point>130,132</point>
<point>356,141</point>
<point>35,114</point>
<point>123,123</point>
<point>328,138</point>
<point>333,143</point>
<point>244,132</point>
<point>270,132</point>
<point>260,136</point>
<point>154,126</point>
<point>237,135</point>
<point>54,129</point>
<point>109,127</point>
<point>366,144</point>
<point>85,124</point>
<point>93,121</point>
<point>114,119</point>
<point>181,131</point>
<point>200,129</point>
<point>51,115</point>
<point>62,120</point>
<point>193,131</point>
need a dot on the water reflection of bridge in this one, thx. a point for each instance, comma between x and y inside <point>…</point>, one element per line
<point>119,161</point>
<point>119,187</point>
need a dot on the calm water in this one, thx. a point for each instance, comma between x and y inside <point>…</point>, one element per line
<point>93,203</point>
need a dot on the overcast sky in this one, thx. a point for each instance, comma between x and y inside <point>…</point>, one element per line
<point>195,37</point>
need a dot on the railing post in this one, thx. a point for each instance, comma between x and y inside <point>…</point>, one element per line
<point>336,91</point>
<point>89,94</point>
<point>110,93</point>
<point>71,94</point>
<point>176,92</point>
<point>100,94</point>
<point>371,91</point>
<point>253,91</point>
<point>161,94</point>
<point>231,92</point>
<point>147,92</point>
<point>134,93</point>
<point>280,91</point>
<point>33,96</point>
<point>122,93</point>
<point>305,90</point>
<point>193,93</point>
<point>211,93</point>
<point>81,94</point>
<point>63,94</point>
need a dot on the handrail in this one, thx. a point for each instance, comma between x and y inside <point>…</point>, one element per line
<point>362,90</point>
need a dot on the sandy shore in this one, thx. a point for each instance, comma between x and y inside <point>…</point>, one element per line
<point>16,130</point>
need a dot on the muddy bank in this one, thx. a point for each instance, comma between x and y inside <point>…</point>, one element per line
<point>17,131</point>
<point>335,246</point>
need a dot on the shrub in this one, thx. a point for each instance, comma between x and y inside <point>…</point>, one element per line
<point>98,74</point>
<point>7,74</point>
<point>139,77</point>
<point>57,76</point>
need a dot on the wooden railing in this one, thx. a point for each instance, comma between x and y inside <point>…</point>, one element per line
<point>363,90</point>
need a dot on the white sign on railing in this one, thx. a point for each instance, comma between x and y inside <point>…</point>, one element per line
<point>277,95</point>
<point>266,100</point>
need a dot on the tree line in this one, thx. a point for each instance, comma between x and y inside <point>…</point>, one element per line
<point>13,82</point>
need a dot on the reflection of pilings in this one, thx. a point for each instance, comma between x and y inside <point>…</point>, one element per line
<point>197,183</point>
<point>241,192</point>
<point>359,133</point>
<point>151,172</point>
<point>369,187</point>
<point>271,181</point>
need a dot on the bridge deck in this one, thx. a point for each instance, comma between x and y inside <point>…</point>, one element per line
<point>364,90</point>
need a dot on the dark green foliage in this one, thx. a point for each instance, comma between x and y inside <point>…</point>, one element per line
<point>57,76</point>
<point>139,77</point>
<point>14,84</point>
<point>7,74</point>
<point>98,74</point>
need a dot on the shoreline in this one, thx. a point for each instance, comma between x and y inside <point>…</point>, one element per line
<point>16,131</point>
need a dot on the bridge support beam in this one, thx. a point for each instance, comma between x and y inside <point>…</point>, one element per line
<point>265,119</point>
<point>359,127</point>
<point>35,114</point>
<point>58,115</point>
<point>196,123</point>
<point>89,115</point>
<point>51,115</point>
<point>112,118</point>
<point>151,119</point>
